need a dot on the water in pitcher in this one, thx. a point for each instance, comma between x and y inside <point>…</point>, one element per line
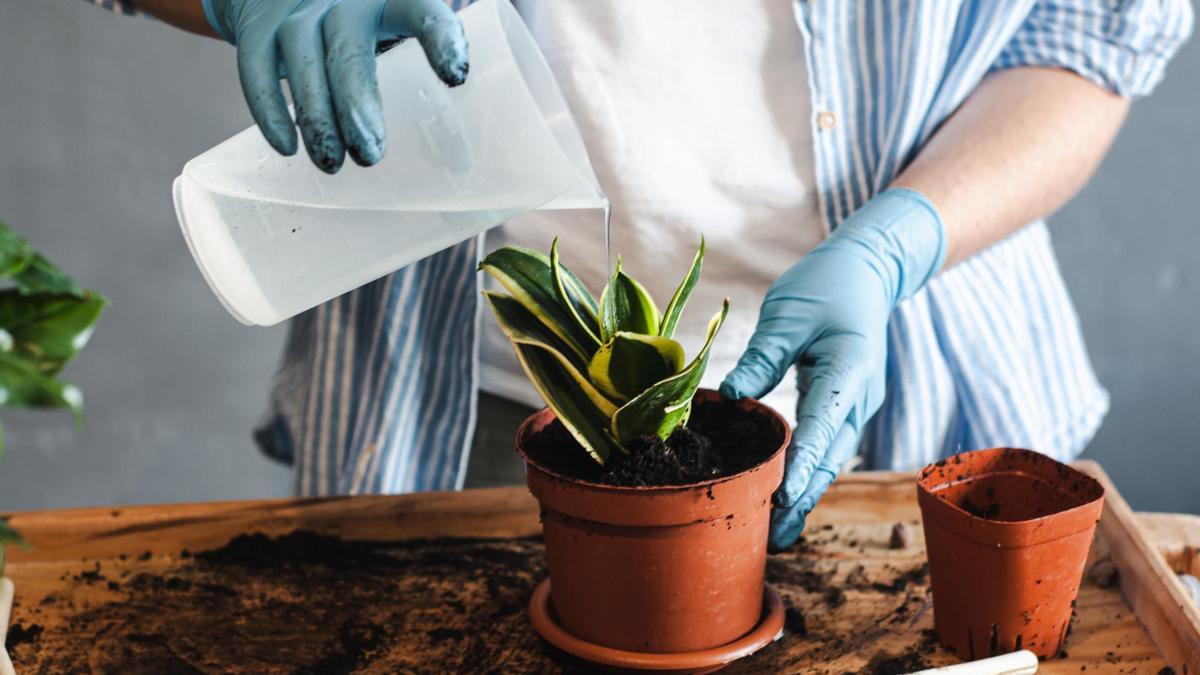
<point>282,256</point>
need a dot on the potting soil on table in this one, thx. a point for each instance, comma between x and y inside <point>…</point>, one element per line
<point>308,603</point>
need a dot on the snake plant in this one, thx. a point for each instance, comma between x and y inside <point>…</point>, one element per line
<point>45,319</point>
<point>610,370</point>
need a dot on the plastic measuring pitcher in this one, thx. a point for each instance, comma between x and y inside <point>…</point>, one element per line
<point>275,236</point>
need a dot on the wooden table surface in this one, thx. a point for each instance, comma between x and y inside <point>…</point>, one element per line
<point>437,583</point>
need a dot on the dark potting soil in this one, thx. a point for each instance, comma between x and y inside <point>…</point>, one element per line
<point>720,439</point>
<point>19,634</point>
<point>300,603</point>
<point>897,664</point>
<point>313,603</point>
<point>990,511</point>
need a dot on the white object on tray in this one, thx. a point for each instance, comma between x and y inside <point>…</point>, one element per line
<point>1192,584</point>
<point>6,599</point>
<point>1016,663</point>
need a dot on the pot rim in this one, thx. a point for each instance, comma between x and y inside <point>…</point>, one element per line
<point>1008,534</point>
<point>746,404</point>
<point>1075,474</point>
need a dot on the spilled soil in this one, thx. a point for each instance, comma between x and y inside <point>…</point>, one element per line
<point>302,603</point>
<point>311,603</point>
<point>719,440</point>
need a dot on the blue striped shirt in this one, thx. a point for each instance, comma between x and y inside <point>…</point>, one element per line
<point>377,389</point>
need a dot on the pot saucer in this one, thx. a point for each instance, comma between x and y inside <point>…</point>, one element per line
<point>769,629</point>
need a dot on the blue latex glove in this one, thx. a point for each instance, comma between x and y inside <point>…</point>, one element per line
<point>828,315</point>
<point>326,49</point>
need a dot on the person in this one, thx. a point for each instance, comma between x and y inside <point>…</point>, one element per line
<point>871,176</point>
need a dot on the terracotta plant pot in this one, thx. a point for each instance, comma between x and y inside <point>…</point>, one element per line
<point>1007,534</point>
<point>657,569</point>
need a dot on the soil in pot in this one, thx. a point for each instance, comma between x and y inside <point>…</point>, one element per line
<point>720,439</point>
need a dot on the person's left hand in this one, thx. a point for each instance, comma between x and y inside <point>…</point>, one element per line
<point>828,315</point>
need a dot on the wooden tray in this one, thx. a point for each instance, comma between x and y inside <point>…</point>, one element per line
<point>128,589</point>
<point>1147,581</point>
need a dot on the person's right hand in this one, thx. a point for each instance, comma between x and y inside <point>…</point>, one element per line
<point>326,49</point>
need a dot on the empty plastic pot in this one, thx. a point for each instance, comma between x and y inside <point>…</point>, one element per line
<point>1007,533</point>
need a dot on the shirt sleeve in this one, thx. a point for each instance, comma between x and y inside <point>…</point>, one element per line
<point>1121,45</point>
<point>126,7</point>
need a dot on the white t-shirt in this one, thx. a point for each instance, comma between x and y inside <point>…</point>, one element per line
<point>697,120</point>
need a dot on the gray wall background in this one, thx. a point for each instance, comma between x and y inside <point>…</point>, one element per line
<point>98,113</point>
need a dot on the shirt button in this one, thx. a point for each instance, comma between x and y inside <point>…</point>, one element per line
<point>826,120</point>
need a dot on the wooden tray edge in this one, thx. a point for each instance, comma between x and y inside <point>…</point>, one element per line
<point>166,528</point>
<point>1149,585</point>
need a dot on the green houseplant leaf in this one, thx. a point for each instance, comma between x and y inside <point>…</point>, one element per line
<point>569,398</point>
<point>45,319</point>
<point>9,536</point>
<point>556,375</point>
<point>610,372</point>
<point>521,325</point>
<point>49,329</point>
<point>15,252</point>
<point>527,275</point>
<point>629,363</point>
<point>675,307</point>
<point>23,385</point>
<point>573,295</point>
<point>41,276</point>
<point>666,405</point>
<point>626,306</point>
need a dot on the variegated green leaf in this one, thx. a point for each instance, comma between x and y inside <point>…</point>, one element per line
<point>521,327</point>
<point>675,308</point>
<point>526,274</point>
<point>573,295</point>
<point>518,323</point>
<point>568,395</point>
<point>629,363</point>
<point>666,405</point>
<point>556,375</point>
<point>625,305</point>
